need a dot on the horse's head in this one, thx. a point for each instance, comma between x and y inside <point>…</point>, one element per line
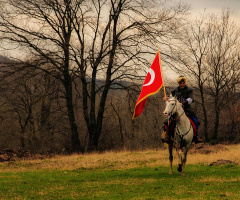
<point>171,106</point>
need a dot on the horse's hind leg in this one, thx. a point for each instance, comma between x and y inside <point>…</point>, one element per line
<point>170,157</point>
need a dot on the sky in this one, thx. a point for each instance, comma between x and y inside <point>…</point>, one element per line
<point>214,6</point>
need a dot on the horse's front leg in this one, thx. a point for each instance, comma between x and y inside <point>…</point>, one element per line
<point>185,159</point>
<point>170,146</point>
<point>179,153</point>
<point>184,162</point>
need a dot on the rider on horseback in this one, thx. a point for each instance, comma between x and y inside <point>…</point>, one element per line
<point>185,97</point>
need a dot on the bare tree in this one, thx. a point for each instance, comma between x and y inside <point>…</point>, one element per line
<point>223,63</point>
<point>208,53</point>
<point>30,101</point>
<point>44,29</point>
<point>99,41</point>
<point>191,54</point>
<point>118,51</point>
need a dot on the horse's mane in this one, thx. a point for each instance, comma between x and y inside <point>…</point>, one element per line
<point>172,97</point>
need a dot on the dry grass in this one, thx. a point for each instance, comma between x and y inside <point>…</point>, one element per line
<point>211,154</point>
<point>125,159</point>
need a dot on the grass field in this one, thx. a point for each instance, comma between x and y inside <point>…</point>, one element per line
<point>125,175</point>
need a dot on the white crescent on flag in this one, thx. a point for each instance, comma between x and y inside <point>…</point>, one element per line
<point>152,73</point>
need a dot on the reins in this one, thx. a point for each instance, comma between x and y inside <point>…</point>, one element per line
<point>172,108</point>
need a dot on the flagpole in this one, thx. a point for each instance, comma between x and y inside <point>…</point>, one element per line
<point>162,74</point>
<point>162,80</point>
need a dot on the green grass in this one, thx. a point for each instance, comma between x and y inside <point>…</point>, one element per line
<point>200,182</point>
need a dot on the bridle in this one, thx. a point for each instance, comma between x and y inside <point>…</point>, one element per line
<point>170,114</point>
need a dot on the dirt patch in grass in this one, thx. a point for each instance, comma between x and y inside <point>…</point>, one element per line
<point>206,154</point>
<point>202,148</point>
<point>221,162</point>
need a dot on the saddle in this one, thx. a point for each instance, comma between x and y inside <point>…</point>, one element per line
<point>194,126</point>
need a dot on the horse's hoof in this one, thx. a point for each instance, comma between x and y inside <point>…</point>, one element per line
<point>183,174</point>
<point>170,172</point>
<point>179,168</point>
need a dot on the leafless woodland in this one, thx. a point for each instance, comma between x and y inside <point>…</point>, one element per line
<point>75,88</point>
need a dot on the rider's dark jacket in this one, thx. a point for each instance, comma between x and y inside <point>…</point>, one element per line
<point>182,96</point>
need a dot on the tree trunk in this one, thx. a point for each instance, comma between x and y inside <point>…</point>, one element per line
<point>205,124</point>
<point>22,140</point>
<point>93,140</point>
<point>231,135</point>
<point>205,119</point>
<point>75,141</point>
<point>215,134</point>
<point>204,113</point>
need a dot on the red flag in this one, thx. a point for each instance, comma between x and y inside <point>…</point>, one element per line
<point>152,84</point>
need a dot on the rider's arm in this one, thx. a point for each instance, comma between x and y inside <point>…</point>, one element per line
<point>165,98</point>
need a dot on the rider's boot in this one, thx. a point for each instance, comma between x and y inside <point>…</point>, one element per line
<point>196,139</point>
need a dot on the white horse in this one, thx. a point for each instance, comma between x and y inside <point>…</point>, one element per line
<point>183,133</point>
